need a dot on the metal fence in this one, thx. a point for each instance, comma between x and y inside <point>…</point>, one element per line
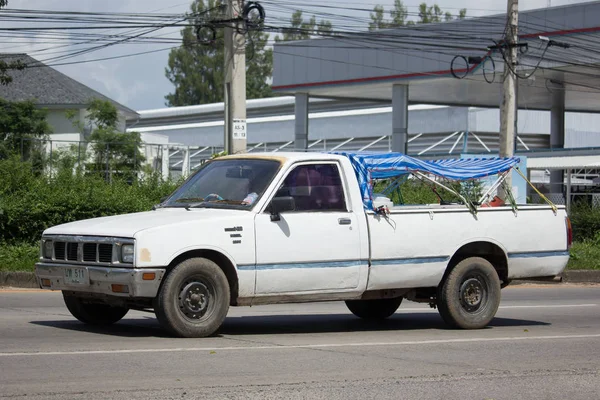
<point>175,161</point>
<point>112,158</point>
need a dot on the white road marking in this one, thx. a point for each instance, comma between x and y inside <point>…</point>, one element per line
<point>552,306</point>
<point>509,307</point>
<point>301,346</point>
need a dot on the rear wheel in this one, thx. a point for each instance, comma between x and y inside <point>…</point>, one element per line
<point>470,295</point>
<point>93,313</point>
<point>194,299</point>
<point>374,309</point>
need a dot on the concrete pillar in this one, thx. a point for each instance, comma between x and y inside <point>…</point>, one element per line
<point>301,122</point>
<point>557,134</point>
<point>185,166</point>
<point>400,118</point>
<point>165,167</point>
<point>568,202</point>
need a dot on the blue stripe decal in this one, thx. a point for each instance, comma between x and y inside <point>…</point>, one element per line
<point>334,264</point>
<point>343,264</point>
<point>533,254</point>
<point>402,261</point>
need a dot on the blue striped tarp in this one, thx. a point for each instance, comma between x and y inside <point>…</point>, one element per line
<point>371,166</point>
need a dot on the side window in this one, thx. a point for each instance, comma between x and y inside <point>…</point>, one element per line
<point>315,187</point>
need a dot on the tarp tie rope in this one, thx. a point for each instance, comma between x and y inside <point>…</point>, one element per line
<point>552,205</point>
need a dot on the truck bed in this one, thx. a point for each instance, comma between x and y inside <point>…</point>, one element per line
<point>412,246</point>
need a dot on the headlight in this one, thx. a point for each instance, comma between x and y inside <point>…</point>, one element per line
<point>47,247</point>
<point>127,253</point>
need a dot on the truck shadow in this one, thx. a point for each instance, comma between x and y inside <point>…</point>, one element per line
<point>287,324</point>
<point>282,324</point>
<point>139,327</point>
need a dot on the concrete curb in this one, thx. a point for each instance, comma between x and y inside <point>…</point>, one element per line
<point>582,276</point>
<point>27,279</point>
<point>570,276</point>
<point>18,279</point>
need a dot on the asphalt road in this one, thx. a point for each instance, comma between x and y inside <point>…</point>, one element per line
<point>544,344</point>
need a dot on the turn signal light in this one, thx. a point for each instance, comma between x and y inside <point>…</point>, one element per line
<point>119,288</point>
<point>46,282</point>
<point>148,276</point>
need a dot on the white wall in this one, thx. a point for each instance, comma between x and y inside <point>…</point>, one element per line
<point>60,123</point>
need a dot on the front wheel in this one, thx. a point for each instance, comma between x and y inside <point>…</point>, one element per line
<point>374,309</point>
<point>470,295</point>
<point>93,313</point>
<point>194,299</point>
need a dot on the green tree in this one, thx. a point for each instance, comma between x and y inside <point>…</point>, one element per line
<point>434,14</point>
<point>399,16</point>
<point>113,153</point>
<point>197,70</point>
<point>378,19</point>
<point>22,125</point>
<point>301,29</point>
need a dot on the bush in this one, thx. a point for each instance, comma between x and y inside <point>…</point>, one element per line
<point>415,191</point>
<point>585,254</point>
<point>585,220</point>
<point>20,257</point>
<point>29,203</point>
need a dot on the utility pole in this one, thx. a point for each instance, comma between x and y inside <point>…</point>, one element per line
<point>235,79</point>
<point>508,108</point>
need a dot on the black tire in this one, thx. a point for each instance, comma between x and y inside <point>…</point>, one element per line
<point>374,309</point>
<point>93,313</point>
<point>194,299</point>
<point>470,295</point>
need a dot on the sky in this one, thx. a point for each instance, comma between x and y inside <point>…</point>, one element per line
<point>139,82</point>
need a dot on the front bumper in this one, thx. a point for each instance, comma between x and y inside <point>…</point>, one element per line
<point>102,279</point>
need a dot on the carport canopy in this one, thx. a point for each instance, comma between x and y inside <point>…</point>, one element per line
<point>423,63</point>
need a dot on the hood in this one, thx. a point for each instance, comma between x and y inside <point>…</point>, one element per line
<point>127,225</point>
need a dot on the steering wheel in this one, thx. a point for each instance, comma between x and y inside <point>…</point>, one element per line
<point>213,197</point>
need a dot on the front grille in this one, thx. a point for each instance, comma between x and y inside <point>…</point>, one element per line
<point>105,252</point>
<point>86,250</point>
<point>72,251</point>
<point>59,250</point>
<point>90,252</point>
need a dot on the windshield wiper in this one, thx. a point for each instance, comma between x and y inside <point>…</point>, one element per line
<point>196,205</point>
<point>215,203</point>
<point>189,199</point>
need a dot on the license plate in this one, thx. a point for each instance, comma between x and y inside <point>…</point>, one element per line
<point>76,276</point>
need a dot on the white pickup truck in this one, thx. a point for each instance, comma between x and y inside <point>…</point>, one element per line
<point>301,227</point>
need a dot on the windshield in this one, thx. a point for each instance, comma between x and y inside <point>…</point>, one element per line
<point>234,183</point>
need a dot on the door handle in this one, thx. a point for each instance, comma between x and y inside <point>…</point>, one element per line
<point>344,221</point>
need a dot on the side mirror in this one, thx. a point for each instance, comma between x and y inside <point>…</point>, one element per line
<point>281,204</point>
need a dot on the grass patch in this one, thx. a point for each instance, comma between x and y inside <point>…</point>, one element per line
<point>585,255</point>
<point>18,257</point>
